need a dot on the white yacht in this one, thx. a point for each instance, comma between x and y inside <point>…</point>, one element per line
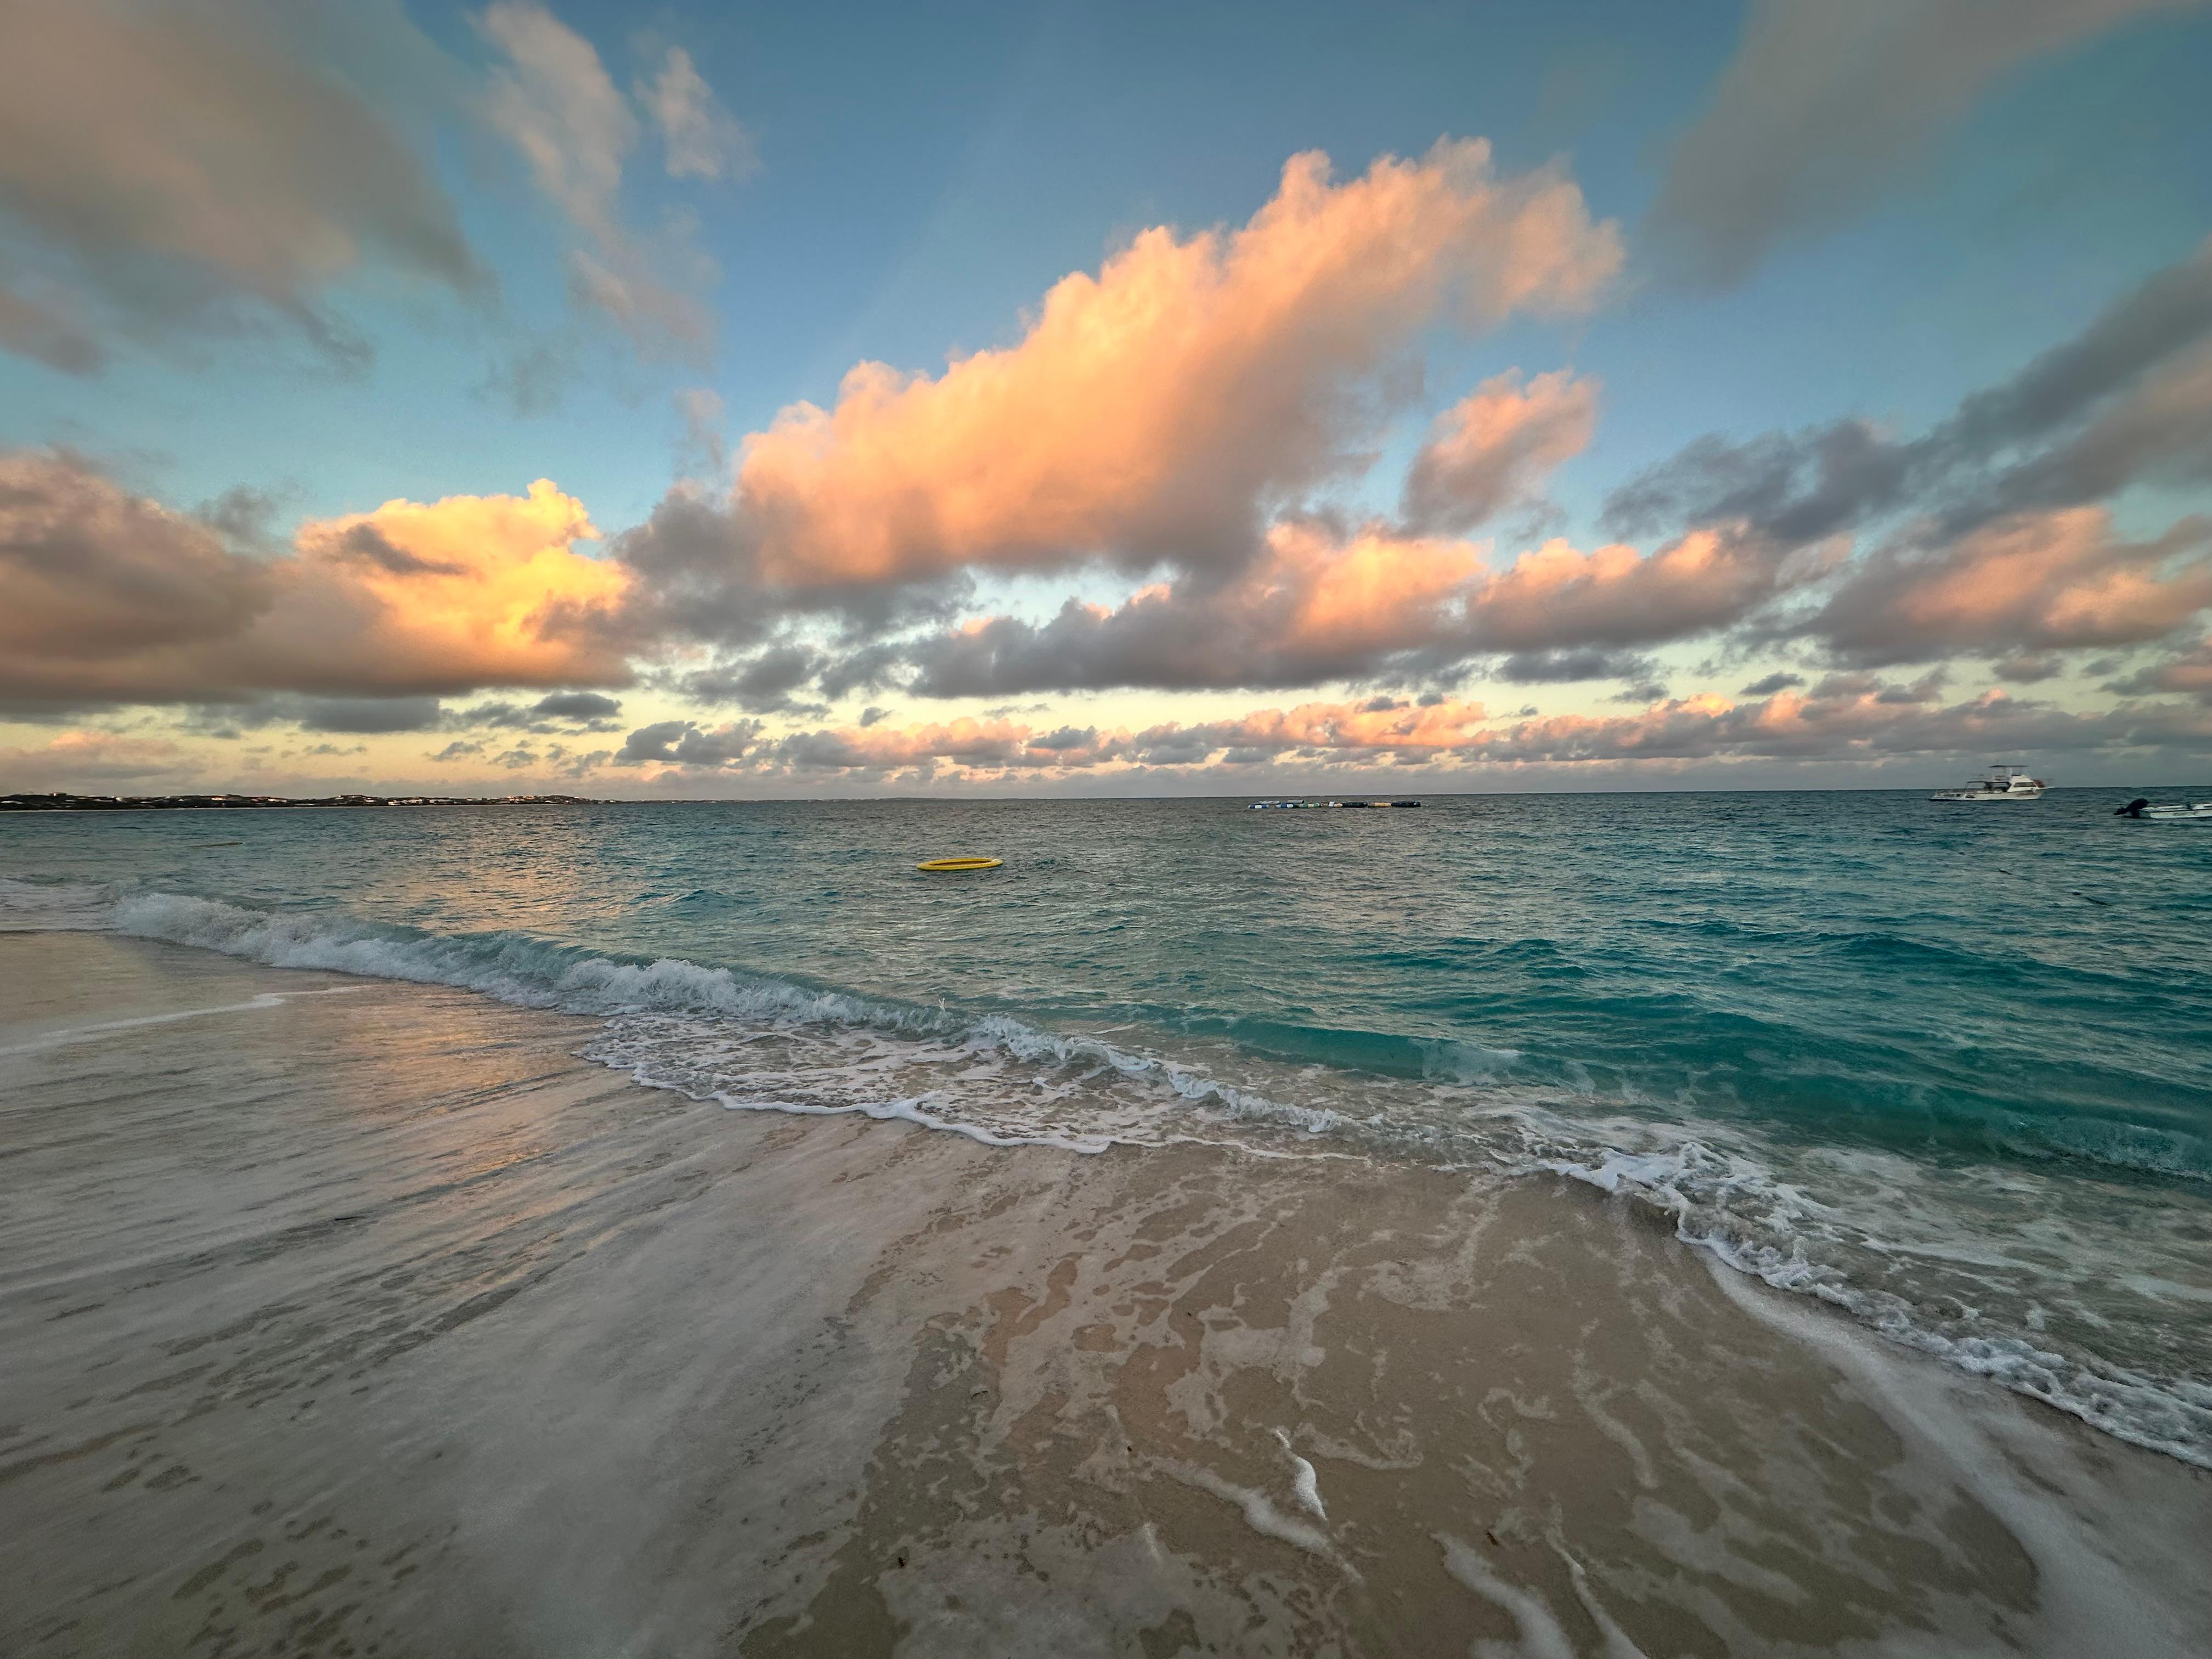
<point>1998,783</point>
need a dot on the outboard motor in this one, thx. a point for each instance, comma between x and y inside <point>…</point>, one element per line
<point>2134,809</point>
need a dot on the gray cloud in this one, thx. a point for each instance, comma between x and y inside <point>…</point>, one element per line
<point>172,223</point>
<point>1824,105</point>
<point>2001,492</point>
<point>552,99</point>
<point>1555,615</point>
<point>89,573</point>
<point>685,743</point>
<point>2186,671</point>
<point>1560,667</point>
<point>761,684</point>
<point>1777,681</point>
<point>576,706</point>
<point>46,333</point>
<point>364,715</point>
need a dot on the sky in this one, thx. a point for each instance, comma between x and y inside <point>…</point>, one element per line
<point>724,401</point>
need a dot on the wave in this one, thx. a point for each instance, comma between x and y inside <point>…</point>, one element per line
<point>1892,1241</point>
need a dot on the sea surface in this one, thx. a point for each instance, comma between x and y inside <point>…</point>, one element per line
<point>1947,1068</point>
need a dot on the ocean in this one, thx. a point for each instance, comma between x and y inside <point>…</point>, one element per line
<point>1944,1070</point>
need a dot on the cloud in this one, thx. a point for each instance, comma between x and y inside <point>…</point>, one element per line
<point>2129,398</point>
<point>99,758</point>
<point>2188,671</point>
<point>1318,607</point>
<point>211,168</point>
<point>2012,482</point>
<point>46,333</point>
<point>1495,447</point>
<point>109,598</point>
<point>762,683</point>
<point>553,99</point>
<point>702,444</point>
<point>1777,681</point>
<point>366,715</point>
<point>576,706</point>
<point>2036,581</point>
<point>1823,106</point>
<point>685,743</point>
<point>1155,411</point>
<point>699,138</point>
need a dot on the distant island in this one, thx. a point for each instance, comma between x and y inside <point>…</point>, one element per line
<point>58,803</point>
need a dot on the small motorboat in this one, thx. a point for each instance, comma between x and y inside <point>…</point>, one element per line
<point>1998,783</point>
<point>2145,810</point>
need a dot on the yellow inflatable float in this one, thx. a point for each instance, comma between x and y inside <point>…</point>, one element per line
<point>948,865</point>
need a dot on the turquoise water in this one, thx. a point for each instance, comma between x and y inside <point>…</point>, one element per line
<point>1947,1067</point>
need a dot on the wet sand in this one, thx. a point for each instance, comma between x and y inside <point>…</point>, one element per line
<point>343,1316</point>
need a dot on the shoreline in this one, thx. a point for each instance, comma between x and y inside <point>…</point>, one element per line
<point>386,1271</point>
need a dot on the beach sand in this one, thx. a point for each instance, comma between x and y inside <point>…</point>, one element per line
<point>343,1317</point>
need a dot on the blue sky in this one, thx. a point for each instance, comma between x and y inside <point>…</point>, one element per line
<point>904,184</point>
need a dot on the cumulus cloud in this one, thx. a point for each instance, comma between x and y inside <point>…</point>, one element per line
<point>2189,672</point>
<point>148,214</point>
<point>109,598</point>
<point>2014,480</point>
<point>2034,580</point>
<point>1318,607</point>
<point>699,138</point>
<point>686,743</point>
<point>1823,105</point>
<point>1155,411</point>
<point>1495,447</point>
<point>553,99</point>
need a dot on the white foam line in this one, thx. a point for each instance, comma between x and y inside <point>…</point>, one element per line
<point>2089,1602</point>
<point>1304,1482</point>
<point>1262,1516</point>
<point>86,1033</point>
<point>1617,1643</point>
<point>1541,1637</point>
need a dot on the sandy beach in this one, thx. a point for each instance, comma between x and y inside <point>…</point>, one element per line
<point>345,1316</point>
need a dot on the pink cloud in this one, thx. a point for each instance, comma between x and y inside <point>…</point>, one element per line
<point>1153,409</point>
<point>2045,581</point>
<point>1496,446</point>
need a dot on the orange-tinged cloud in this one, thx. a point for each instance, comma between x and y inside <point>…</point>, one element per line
<point>1315,604</point>
<point>1495,447</point>
<point>1153,409</point>
<point>2046,580</point>
<point>466,591</point>
<point>106,597</point>
<point>1556,595</point>
<point>1373,591</point>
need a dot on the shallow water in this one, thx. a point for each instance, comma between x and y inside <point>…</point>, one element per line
<point>1950,1068</point>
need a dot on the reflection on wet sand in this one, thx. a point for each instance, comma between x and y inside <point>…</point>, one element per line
<point>377,1322</point>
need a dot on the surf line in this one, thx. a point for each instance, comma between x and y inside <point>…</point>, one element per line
<point>86,1033</point>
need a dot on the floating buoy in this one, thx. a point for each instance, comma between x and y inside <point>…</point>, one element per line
<point>948,865</point>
